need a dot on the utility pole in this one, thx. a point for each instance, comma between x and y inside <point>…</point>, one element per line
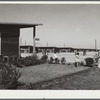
<point>34,33</point>
<point>95,44</point>
<point>96,47</point>
<point>20,40</point>
<point>64,44</point>
<point>47,44</point>
<point>25,42</point>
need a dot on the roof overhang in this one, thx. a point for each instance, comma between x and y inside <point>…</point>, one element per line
<point>17,25</point>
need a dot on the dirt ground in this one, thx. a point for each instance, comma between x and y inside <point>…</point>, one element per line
<point>85,80</point>
<point>44,72</point>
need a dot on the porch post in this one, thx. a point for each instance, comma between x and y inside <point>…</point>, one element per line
<point>34,30</point>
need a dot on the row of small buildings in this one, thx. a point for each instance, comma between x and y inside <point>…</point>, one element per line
<point>29,49</point>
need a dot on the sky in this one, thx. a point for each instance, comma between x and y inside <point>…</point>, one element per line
<point>70,25</point>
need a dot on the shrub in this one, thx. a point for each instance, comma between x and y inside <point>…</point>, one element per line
<point>96,60</point>
<point>57,61</point>
<point>37,62</point>
<point>82,63</point>
<point>33,57</point>
<point>51,60</point>
<point>43,59</point>
<point>29,61</point>
<point>10,76</point>
<point>89,61</point>
<point>32,60</point>
<point>69,64</point>
<point>63,60</point>
<point>1,58</point>
<point>54,61</point>
<point>17,63</point>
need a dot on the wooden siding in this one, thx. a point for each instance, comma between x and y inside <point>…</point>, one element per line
<point>10,46</point>
<point>10,42</point>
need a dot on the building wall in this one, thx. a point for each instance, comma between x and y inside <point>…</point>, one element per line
<point>9,46</point>
<point>10,42</point>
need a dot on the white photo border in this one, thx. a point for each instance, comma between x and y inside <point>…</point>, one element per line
<point>49,94</point>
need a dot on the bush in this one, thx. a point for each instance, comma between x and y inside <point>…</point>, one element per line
<point>69,64</point>
<point>96,60</point>
<point>37,62</point>
<point>1,58</point>
<point>63,60</point>
<point>89,61</point>
<point>82,63</point>
<point>51,61</point>
<point>43,59</point>
<point>33,60</point>
<point>17,63</point>
<point>57,61</point>
<point>29,61</point>
<point>10,76</point>
<point>54,61</point>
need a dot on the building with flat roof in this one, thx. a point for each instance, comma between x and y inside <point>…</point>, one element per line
<point>29,49</point>
<point>9,37</point>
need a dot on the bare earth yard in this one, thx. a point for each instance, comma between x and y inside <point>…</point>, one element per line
<point>38,73</point>
<point>84,79</point>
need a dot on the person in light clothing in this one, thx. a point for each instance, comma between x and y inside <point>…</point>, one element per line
<point>56,58</point>
<point>77,60</point>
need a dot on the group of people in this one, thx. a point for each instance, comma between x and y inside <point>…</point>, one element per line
<point>96,58</point>
<point>77,58</point>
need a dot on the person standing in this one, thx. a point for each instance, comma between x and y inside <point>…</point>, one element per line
<point>77,60</point>
<point>96,57</point>
<point>56,58</point>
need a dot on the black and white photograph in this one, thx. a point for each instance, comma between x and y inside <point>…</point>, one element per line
<point>49,46</point>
